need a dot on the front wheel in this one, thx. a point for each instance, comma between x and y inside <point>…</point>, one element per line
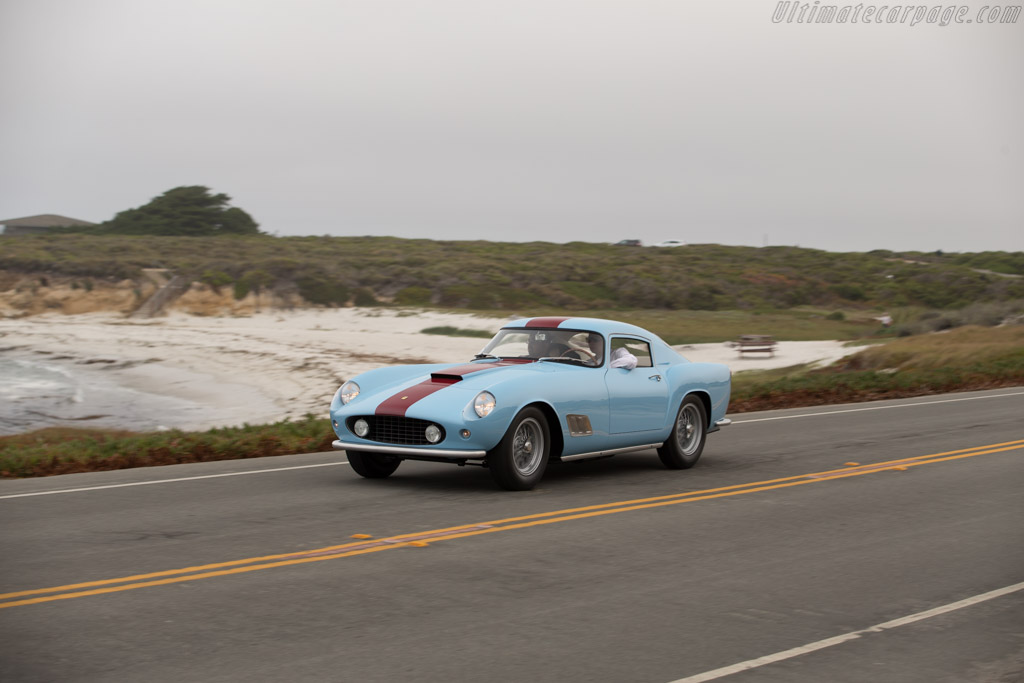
<point>373,465</point>
<point>518,462</point>
<point>686,442</point>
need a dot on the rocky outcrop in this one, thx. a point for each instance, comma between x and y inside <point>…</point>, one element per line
<point>153,294</point>
<point>154,305</point>
<point>34,294</point>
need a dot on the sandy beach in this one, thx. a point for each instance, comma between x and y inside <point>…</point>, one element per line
<point>271,366</point>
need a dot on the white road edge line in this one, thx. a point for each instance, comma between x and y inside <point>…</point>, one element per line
<point>859,410</point>
<point>167,481</point>
<point>853,635</point>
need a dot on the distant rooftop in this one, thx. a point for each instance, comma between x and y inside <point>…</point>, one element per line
<point>39,225</point>
<point>43,220</point>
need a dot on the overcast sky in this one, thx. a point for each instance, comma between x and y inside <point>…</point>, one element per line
<point>521,120</point>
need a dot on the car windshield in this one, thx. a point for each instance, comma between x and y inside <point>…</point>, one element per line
<point>569,346</point>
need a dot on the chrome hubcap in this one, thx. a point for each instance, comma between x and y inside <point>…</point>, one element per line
<point>688,429</point>
<point>527,447</point>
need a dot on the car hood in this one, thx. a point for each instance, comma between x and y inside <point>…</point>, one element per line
<point>431,383</point>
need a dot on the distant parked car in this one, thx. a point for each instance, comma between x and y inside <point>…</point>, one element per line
<point>543,389</point>
<point>671,243</point>
<point>629,243</point>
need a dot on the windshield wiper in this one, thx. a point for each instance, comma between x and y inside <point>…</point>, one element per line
<point>562,359</point>
<point>481,356</point>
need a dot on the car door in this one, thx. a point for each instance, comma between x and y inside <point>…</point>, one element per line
<point>637,398</point>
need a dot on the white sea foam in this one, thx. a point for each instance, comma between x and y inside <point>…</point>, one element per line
<point>42,393</point>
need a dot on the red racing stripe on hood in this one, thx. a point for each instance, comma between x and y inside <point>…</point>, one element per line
<point>397,404</point>
<point>546,322</point>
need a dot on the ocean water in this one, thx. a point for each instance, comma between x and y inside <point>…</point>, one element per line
<point>39,391</point>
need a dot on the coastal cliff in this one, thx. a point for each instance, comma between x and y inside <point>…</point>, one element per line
<point>32,294</point>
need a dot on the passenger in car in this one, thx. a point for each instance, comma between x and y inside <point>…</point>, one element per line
<point>621,358</point>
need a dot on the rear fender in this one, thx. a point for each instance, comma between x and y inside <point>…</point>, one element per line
<point>711,382</point>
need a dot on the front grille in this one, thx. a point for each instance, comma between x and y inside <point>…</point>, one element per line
<point>407,431</point>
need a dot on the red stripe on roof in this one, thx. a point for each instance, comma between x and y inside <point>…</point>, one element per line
<point>546,322</point>
<point>399,403</point>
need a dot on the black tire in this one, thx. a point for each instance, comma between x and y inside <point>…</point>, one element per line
<point>689,432</point>
<point>518,462</point>
<point>373,465</point>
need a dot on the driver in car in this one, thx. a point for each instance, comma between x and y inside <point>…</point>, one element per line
<point>538,345</point>
<point>546,345</point>
<point>593,353</point>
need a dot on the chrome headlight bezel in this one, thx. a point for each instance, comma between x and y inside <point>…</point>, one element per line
<point>433,434</point>
<point>349,390</point>
<point>484,403</point>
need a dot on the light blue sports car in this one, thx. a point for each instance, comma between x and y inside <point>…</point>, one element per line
<point>542,389</point>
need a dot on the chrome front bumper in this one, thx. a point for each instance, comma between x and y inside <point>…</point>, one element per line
<point>412,452</point>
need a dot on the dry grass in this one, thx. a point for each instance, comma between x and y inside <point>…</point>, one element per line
<point>963,359</point>
<point>960,347</point>
<point>52,436</point>
<point>59,450</point>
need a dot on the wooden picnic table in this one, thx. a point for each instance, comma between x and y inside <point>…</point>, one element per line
<point>756,343</point>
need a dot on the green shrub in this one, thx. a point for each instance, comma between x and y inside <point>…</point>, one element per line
<point>849,292</point>
<point>61,451</point>
<point>322,290</point>
<point>413,296</point>
<point>469,296</point>
<point>364,297</point>
<point>216,278</point>
<point>450,331</point>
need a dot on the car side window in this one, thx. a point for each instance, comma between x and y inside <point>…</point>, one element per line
<point>640,349</point>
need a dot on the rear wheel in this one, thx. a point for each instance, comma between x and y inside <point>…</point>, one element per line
<point>686,442</point>
<point>373,465</point>
<point>518,462</point>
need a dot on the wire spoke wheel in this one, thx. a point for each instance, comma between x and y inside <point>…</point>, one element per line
<point>527,447</point>
<point>518,462</point>
<point>689,431</point>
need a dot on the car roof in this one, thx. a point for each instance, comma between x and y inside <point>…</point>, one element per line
<point>599,325</point>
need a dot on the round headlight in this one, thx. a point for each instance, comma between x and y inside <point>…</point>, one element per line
<point>433,434</point>
<point>349,390</point>
<point>361,428</point>
<point>483,404</point>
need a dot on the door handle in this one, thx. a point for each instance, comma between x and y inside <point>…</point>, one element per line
<point>655,377</point>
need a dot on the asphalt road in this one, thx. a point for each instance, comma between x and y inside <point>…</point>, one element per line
<point>775,559</point>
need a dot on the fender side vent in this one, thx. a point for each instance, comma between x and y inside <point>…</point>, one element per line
<point>579,425</point>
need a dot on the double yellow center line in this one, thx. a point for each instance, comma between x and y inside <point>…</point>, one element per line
<point>369,545</point>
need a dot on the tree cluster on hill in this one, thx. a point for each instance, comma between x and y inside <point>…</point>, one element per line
<point>183,211</point>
